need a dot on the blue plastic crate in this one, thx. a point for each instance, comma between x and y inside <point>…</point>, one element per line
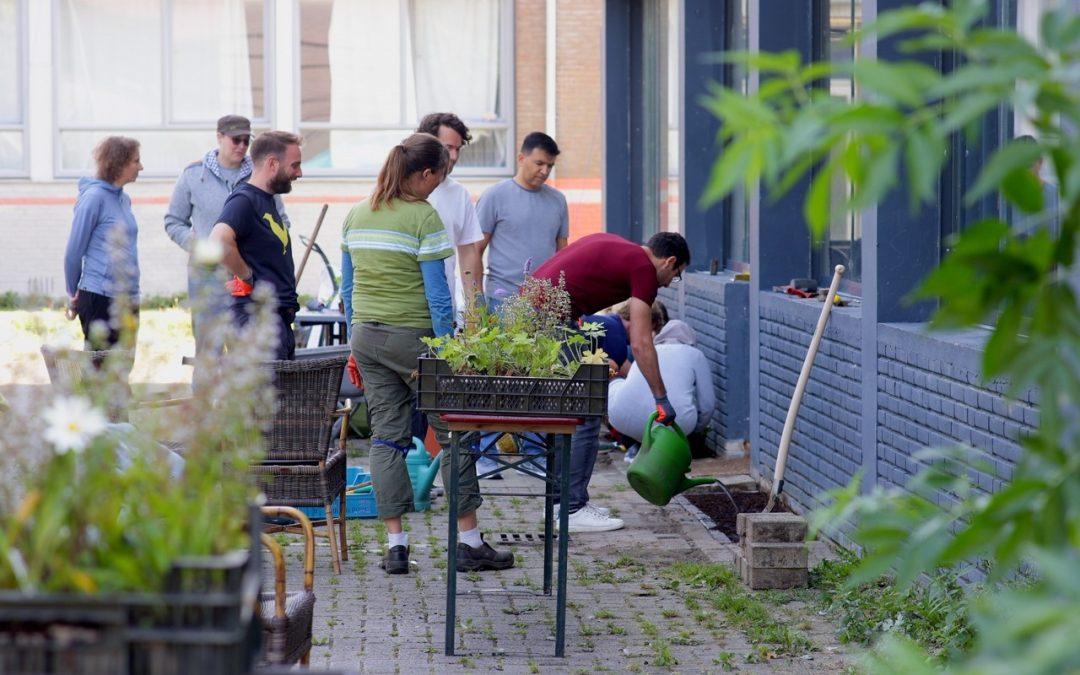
<point>357,504</point>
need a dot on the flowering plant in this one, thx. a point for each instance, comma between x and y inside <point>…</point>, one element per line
<point>529,335</point>
<point>91,506</point>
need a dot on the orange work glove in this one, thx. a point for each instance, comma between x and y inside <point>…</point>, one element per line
<point>665,412</point>
<point>238,287</point>
<point>353,371</point>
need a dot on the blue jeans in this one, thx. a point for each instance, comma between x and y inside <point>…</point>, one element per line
<point>584,445</point>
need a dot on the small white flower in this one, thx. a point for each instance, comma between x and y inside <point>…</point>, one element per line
<point>207,252</point>
<point>71,423</point>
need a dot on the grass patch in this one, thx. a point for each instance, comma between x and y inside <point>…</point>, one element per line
<point>743,610</point>
<point>933,614</point>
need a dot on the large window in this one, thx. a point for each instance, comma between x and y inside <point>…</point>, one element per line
<point>12,153</point>
<point>369,69</point>
<point>843,239</point>
<point>161,71</point>
<point>736,76</point>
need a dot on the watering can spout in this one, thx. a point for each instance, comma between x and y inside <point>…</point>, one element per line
<point>427,476</point>
<point>688,483</point>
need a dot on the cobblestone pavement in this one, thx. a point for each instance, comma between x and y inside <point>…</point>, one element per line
<point>628,610</point>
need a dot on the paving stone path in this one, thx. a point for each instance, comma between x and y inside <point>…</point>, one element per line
<point>627,610</point>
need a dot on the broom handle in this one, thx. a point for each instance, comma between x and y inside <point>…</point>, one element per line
<point>311,242</point>
<point>800,386</point>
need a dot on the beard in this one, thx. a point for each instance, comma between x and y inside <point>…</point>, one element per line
<point>281,183</point>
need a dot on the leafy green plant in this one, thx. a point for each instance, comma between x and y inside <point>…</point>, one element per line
<point>1019,281</point>
<point>933,614</point>
<point>530,336</point>
<point>91,506</point>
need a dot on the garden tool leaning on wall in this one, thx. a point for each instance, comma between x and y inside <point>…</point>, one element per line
<point>800,388</point>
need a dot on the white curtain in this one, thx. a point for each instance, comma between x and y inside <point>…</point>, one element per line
<point>10,95</point>
<point>392,62</point>
<point>456,56</point>
<point>109,65</point>
<point>211,68</point>
<point>366,85</point>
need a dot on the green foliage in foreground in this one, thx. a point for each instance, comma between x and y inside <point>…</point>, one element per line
<point>1018,278</point>
<point>934,615</point>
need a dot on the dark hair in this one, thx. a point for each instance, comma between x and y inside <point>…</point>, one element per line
<point>538,139</point>
<point>668,244</point>
<point>431,123</point>
<point>273,143</point>
<point>112,154</point>
<point>415,153</point>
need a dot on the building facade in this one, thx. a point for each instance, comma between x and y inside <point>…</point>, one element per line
<point>352,76</point>
<point>882,386</point>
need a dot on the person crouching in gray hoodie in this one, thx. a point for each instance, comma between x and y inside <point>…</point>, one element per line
<point>196,203</point>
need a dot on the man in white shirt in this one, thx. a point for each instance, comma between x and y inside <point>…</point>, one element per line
<point>455,208</point>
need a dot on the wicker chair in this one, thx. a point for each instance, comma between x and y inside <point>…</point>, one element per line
<point>287,617</point>
<point>300,468</point>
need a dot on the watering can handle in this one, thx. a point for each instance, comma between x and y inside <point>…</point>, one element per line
<point>647,437</point>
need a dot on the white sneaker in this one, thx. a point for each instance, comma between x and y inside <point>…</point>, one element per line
<point>588,519</point>
<point>602,510</point>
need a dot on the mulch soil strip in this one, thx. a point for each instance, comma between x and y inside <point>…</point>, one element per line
<point>717,506</point>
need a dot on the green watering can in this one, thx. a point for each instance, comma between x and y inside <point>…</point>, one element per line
<point>658,473</point>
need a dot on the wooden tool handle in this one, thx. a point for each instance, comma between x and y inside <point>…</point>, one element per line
<point>311,243</point>
<point>800,387</point>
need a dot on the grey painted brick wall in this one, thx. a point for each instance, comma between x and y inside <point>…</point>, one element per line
<point>826,444</point>
<point>930,394</point>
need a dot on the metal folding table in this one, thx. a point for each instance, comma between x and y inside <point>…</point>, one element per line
<point>556,432</point>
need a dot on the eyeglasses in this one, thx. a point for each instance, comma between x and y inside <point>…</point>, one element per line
<point>677,278</point>
<point>240,140</point>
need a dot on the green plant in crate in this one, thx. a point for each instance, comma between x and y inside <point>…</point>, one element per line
<point>1019,278</point>
<point>530,335</point>
<point>92,507</point>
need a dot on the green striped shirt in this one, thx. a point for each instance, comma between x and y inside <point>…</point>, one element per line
<point>386,247</point>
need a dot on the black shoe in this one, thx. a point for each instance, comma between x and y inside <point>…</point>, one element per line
<point>471,559</point>
<point>396,560</point>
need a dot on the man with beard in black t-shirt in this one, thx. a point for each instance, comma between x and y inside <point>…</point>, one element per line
<point>256,245</point>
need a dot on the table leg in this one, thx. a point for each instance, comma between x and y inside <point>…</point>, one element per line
<point>564,544</point>
<point>549,509</point>
<point>451,542</point>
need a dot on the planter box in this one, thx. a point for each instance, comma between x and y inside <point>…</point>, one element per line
<point>204,622</point>
<point>583,395</point>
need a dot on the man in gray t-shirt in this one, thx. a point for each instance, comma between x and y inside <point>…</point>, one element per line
<point>523,220</point>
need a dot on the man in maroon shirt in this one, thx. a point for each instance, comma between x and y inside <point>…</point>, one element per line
<point>599,271</point>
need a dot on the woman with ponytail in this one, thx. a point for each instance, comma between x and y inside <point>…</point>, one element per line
<point>396,244</point>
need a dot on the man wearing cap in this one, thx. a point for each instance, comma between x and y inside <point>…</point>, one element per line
<point>196,203</point>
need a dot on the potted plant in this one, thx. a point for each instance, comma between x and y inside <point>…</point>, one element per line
<point>527,358</point>
<point>119,554</point>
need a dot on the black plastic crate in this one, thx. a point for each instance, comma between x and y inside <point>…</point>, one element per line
<point>203,622</point>
<point>583,395</point>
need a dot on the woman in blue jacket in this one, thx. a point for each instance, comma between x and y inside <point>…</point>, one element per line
<point>102,262</point>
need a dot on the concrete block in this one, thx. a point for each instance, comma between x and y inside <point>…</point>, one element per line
<point>760,579</point>
<point>774,528</point>
<point>775,556</point>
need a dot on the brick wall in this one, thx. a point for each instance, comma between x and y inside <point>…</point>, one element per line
<point>826,445</point>
<point>930,394</point>
<point>530,91</point>
<point>579,88</point>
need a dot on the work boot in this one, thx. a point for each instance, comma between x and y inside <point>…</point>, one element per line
<point>471,559</point>
<point>396,560</point>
